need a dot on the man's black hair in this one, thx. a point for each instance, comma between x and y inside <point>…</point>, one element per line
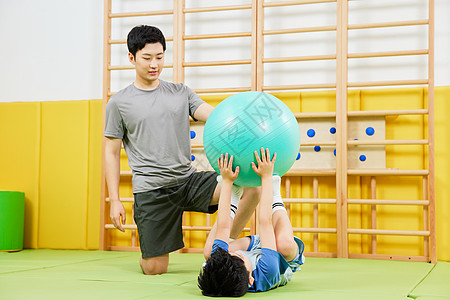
<point>142,35</point>
<point>223,275</point>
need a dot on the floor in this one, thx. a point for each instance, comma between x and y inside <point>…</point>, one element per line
<point>82,275</point>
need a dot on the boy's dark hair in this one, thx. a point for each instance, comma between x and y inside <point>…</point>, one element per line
<point>223,275</point>
<point>139,36</point>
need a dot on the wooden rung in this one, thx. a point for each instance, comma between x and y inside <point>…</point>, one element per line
<point>387,172</point>
<point>388,257</point>
<point>216,36</point>
<point>387,53</point>
<point>387,112</point>
<point>330,114</point>
<point>217,8</point>
<point>126,226</point>
<point>123,248</point>
<point>388,24</point>
<point>124,41</point>
<point>388,202</point>
<point>223,90</point>
<point>388,232</point>
<point>309,200</point>
<point>317,143</point>
<point>298,2</point>
<point>126,173</point>
<point>367,113</point>
<point>299,30</point>
<point>311,172</point>
<point>388,83</point>
<point>198,146</point>
<point>141,14</point>
<point>131,67</point>
<point>314,230</point>
<point>218,63</point>
<point>191,250</point>
<point>320,254</point>
<point>121,67</point>
<point>298,58</point>
<point>122,199</point>
<point>300,86</point>
<point>197,228</point>
<point>388,142</point>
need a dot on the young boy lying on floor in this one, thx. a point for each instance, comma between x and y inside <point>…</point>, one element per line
<point>253,263</point>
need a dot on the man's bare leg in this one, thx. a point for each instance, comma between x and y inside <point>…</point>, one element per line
<point>155,265</point>
<point>247,206</point>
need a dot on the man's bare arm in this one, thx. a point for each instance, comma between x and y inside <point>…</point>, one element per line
<point>112,174</point>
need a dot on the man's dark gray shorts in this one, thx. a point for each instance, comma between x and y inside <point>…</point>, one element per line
<point>158,213</point>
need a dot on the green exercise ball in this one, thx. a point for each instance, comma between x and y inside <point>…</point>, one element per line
<point>245,122</point>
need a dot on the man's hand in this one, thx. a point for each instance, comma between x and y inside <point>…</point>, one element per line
<point>265,165</point>
<point>116,211</point>
<point>226,168</point>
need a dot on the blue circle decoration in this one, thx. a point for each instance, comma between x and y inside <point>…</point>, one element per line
<point>334,152</point>
<point>370,131</point>
<point>362,157</point>
<point>193,134</point>
<point>192,157</point>
<point>317,148</point>
<point>298,156</point>
<point>333,130</point>
<point>311,133</point>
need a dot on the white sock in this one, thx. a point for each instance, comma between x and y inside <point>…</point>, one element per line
<point>236,194</point>
<point>277,201</point>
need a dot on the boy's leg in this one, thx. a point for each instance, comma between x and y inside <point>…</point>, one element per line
<point>282,226</point>
<point>284,235</point>
<point>215,196</point>
<point>155,265</point>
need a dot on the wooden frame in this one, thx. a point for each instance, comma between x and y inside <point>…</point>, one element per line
<point>342,115</point>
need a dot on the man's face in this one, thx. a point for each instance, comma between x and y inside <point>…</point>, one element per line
<point>149,62</point>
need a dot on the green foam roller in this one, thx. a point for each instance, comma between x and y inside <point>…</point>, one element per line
<point>12,213</point>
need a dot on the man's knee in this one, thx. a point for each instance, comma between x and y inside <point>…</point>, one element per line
<point>155,265</point>
<point>253,193</point>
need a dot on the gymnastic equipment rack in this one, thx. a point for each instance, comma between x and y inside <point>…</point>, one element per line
<point>342,114</point>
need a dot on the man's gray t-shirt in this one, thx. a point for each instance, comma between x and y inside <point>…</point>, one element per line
<point>154,127</point>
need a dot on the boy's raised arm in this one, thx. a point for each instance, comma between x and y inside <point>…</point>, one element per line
<point>265,170</point>
<point>223,215</point>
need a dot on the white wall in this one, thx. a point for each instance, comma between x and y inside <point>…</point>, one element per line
<point>52,49</point>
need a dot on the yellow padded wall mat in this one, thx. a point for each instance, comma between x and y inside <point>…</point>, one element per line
<point>53,154</point>
<point>94,174</point>
<point>19,159</point>
<point>64,174</point>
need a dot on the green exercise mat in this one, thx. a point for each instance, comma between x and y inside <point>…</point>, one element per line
<point>82,274</point>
